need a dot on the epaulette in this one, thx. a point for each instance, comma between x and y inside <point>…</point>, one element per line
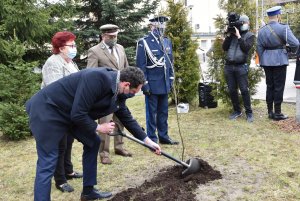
<point>140,39</point>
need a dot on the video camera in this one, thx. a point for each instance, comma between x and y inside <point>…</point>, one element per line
<point>233,21</point>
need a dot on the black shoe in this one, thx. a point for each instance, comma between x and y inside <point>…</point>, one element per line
<point>95,195</point>
<point>235,115</point>
<point>271,115</point>
<point>250,117</point>
<point>279,116</point>
<point>74,175</point>
<point>168,141</point>
<point>65,187</point>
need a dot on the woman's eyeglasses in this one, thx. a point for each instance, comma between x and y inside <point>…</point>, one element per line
<point>72,46</point>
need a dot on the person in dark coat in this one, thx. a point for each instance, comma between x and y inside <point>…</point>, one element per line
<point>237,46</point>
<point>71,105</point>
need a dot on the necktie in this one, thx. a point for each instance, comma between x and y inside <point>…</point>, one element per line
<point>112,53</point>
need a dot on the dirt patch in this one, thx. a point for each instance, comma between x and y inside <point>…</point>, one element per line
<point>169,184</point>
<point>289,125</point>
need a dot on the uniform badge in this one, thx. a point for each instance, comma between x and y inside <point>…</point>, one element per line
<point>168,49</point>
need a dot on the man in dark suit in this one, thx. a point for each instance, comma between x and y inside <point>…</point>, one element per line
<point>71,105</point>
<point>154,57</point>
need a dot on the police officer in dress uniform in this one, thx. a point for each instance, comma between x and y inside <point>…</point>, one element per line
<point>273,43</point>
<point>154,57</point>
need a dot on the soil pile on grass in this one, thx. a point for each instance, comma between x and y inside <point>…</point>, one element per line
<point>168,185</point>
<point>289,125</point>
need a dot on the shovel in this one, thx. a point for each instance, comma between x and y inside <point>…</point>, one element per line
<point>192,166</point>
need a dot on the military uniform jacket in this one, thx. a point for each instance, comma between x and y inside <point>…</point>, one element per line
<point>270,49</point>
<point>99,56</point>
<point>155,63</point>
<point>73,103</point>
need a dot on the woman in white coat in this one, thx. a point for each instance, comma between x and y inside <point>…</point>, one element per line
<point>59,65</point>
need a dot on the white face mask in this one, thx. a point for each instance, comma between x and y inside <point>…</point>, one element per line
<point>72,53</point>
<point>245,27</point>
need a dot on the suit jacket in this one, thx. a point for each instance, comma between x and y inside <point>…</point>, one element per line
<point>159,78</point>
<point>99,56</point>
<point>55,68</point>
<point>73,103</point>
<point>270,48</point>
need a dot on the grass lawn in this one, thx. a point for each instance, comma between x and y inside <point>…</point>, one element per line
<point>258,160</point>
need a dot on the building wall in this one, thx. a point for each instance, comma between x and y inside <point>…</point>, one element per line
<point>201,17</point>
<point>201,14</point>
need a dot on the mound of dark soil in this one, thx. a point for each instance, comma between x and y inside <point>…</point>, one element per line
<point>169,184</point>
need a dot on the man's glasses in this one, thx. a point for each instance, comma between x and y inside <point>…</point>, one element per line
<point>72,46</point>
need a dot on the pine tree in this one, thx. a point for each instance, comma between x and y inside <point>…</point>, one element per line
<point>33,22</point>
<point>217,61</point>
<point>18,83</point>
<point>293,18</point>
<point>127,14</point>
<point>186,63</point>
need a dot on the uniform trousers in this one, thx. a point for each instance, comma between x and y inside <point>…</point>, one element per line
<point>157,116</point>
<point>237,77</point>
<point>105,139</point>
<point>275,81</point>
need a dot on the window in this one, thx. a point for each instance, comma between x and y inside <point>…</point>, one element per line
<point>203,44</point>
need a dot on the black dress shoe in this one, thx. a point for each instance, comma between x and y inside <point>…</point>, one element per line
<point>270,115</point>
<point>168,141</point>
<point>65,187</point>
<point>95,195</point>
<point>279,116</point>
<point>74,175</point>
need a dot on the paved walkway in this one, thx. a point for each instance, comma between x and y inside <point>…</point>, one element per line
<point>289,91</point>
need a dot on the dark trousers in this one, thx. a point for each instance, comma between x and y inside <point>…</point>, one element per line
<point>45,168</point>
<point>46,165</point>
<point>275,81</point>
<point>157,116</point>
<point>297,70</point>
<point>237,77</point>
<point>64,165</point>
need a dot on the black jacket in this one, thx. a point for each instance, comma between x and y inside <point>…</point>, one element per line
<point>237,49</point>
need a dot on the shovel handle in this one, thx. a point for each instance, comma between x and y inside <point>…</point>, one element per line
<point>153,149</point>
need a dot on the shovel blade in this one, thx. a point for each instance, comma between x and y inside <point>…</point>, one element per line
<point>194,167</point>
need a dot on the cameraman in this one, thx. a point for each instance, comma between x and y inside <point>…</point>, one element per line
<point>273,43</point>
<point>237,46</point>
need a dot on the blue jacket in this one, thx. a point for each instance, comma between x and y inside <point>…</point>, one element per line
<point>73,103</point>
<point>159,77</point>
<point>270,49</point>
